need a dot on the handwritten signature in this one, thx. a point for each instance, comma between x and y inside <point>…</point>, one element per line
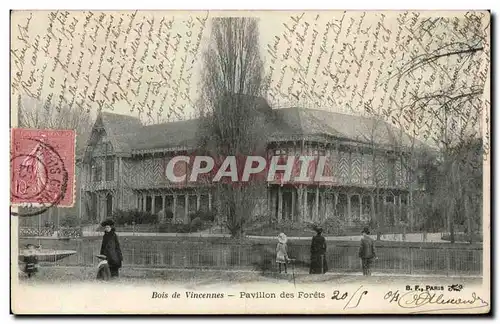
<point>416,299</point>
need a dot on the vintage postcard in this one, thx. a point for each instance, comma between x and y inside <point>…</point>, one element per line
<point>250,162</point>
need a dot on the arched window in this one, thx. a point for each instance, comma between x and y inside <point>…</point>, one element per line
<point>355,207</point>
<point>96,170</point>
<point>110,168</point>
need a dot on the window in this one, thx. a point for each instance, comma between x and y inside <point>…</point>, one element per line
<point>404,200</point>
<point>109,206</point>
<point>96,171</point>
<point>391,166</point>
<point>110,169</point>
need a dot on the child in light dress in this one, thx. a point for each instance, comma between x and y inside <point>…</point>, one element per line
<point>281,252</point>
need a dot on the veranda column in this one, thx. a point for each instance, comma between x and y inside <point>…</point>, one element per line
<point>186,208</point>
<point>316,205</point>
<point>268,193</point>
<point>174,208</point>
<point>144,199</point>
<point>118,179</point>
<point>372,206</point>
<point>335,202</point>
<point>198,201</point>
<point>349,220</point>
<point>97,208</point>
<point>210,201</point>
<point>360,199</point>
<point>114,201</point>
<point>300,203</point>
<point>322,214</point>
<point>399,208</point>
<point>272,207</point>
<point>163,199</point>
<point>409,207</point>
<point>153,199</point>
<point>80,199</point>
<point>394,210</point>
<point>305,205</point>
<point>293,204</point>
<point>280,204</point>
<point>103,207</point>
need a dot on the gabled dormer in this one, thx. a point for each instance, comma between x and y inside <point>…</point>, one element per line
<point>110,135</point>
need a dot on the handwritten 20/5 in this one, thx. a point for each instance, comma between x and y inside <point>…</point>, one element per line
<point>352,300</point>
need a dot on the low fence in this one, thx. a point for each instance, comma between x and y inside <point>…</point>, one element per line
<point>224,254</point>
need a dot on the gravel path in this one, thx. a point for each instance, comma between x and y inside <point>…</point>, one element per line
<point>209,277</point>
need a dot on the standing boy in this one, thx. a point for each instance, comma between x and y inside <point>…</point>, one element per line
<point>30,260</point>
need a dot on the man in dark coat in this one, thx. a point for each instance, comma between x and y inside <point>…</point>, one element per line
<point>111,248</point>
<point>318,253</point>
<point>367,252</point>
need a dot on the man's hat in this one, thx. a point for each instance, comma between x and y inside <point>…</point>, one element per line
<point>108,222</point>
<point>101,257</point>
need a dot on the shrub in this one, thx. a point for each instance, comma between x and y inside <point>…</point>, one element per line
<point>196,224</point>
<point>49,224</point>
<point>69,221</point>
<point>333,226</point>
<point>260,221</point>
<point>122,217</point>
<point>127,217</point>
<point>169,215</point>
<point>174,228</point>
<point>86,222</point>
<point>204,215</point>
<point>373,224</point>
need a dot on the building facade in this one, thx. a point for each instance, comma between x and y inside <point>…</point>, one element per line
<point>123,168</point>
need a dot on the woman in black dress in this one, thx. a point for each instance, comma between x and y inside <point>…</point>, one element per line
<point>111,248</point>
<point>318,253</point>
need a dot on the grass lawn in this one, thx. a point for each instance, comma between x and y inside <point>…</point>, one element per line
<point>274,231</point>
<point>303,230</point>
<point>476,238</point>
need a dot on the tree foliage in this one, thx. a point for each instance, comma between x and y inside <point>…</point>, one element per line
<point>231,110</point>
<point>447,111</point>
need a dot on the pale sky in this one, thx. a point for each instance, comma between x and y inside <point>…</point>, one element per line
<point>330,60</point>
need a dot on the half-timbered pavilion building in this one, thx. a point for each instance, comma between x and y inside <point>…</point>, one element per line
<point>124,168</point>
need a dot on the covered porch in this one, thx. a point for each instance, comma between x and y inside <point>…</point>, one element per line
<point>180,203</point>
<point>352,205</point>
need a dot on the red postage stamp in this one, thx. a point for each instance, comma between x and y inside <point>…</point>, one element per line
<point>42,167</point>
